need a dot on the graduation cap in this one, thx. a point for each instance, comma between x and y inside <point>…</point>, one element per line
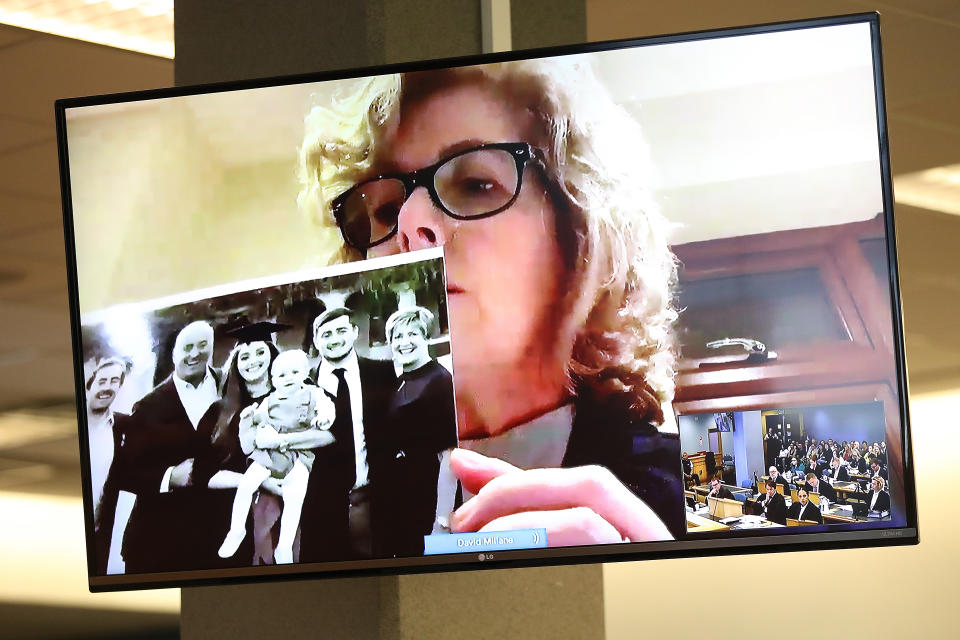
<point>256,331</point>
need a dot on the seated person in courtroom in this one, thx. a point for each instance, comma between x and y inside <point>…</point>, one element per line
<point>796,467</point>
<point>876,469</point>
<point>772,505</point>
<point>838,470</point>
<point>878,500</point>
<point>857,464</point>
<point>295,413</point>
<point>717,490</point>
<point>815,467</point>
<point>690,479</point>
<point>878,454</point>
<point>815,485</point>
<point>779,479</point>
<point>804,509</point>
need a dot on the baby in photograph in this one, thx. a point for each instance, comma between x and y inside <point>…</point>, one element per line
<point>294,407</point>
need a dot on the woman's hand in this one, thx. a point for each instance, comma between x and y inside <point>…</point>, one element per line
<point>578,506</point>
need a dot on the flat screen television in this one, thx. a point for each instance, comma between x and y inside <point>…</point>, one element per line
<point>615,301</point>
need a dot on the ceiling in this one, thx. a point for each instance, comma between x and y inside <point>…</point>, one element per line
<point>35,355</point>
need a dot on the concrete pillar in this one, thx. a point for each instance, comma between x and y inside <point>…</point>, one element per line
<point>220,40</point>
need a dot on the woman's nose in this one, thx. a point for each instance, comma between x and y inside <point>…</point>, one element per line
<point>421,225</point>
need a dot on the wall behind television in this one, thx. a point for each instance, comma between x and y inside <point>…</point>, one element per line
<point>917,584</point>
<point>845,422</point>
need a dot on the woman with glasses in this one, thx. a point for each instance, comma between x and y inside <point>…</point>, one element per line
<point>558,280</point>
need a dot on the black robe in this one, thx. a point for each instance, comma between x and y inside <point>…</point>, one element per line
<point>645,460</point>
<point>824,489</point>
<point>776,509</point>
<point>883,501</point>
<point>840,473</point>
<point>812,512</point>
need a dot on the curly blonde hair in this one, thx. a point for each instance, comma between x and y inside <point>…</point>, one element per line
<point>620,297</point>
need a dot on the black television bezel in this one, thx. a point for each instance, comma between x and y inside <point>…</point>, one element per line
<point>703,544</point>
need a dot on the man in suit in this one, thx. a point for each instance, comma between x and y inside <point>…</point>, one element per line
<point>814,467</point>
<point>877,470</point>
<point>341,518</point>
<point>779,479</point>
<point>717,490</point>
<point>177,522</point>
<point>838,470</point>
<point>771,504</point>
<point>106,432</point>
<point>804,509</point>
<point>815,485</point>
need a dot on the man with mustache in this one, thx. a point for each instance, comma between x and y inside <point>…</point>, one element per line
<point>177,520</point>
<point>106,432</point>
<point>340,513</point>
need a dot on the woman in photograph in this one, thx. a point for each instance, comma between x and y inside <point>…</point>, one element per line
<point>247,382</point>
<point>420,427</point>
<point>559,282</point>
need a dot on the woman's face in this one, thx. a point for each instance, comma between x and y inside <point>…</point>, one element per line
<point>503,272</point>
<point>409,347</point>
<point>253,361</point>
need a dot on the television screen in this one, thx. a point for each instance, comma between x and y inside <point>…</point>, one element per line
<point>621,300</point>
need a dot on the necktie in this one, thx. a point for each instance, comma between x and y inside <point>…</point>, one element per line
<point>342,426</point>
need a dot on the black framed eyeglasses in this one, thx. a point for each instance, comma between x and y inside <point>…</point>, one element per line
<point>471,184</point>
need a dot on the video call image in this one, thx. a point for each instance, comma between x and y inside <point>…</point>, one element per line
<point>630,238</point>
<point>306,421</point>
<point>775,469</point>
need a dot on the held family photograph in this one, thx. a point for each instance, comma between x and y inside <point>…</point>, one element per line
<point>277,421</point>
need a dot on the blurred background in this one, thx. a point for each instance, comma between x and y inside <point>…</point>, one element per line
<point>50,50</point>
